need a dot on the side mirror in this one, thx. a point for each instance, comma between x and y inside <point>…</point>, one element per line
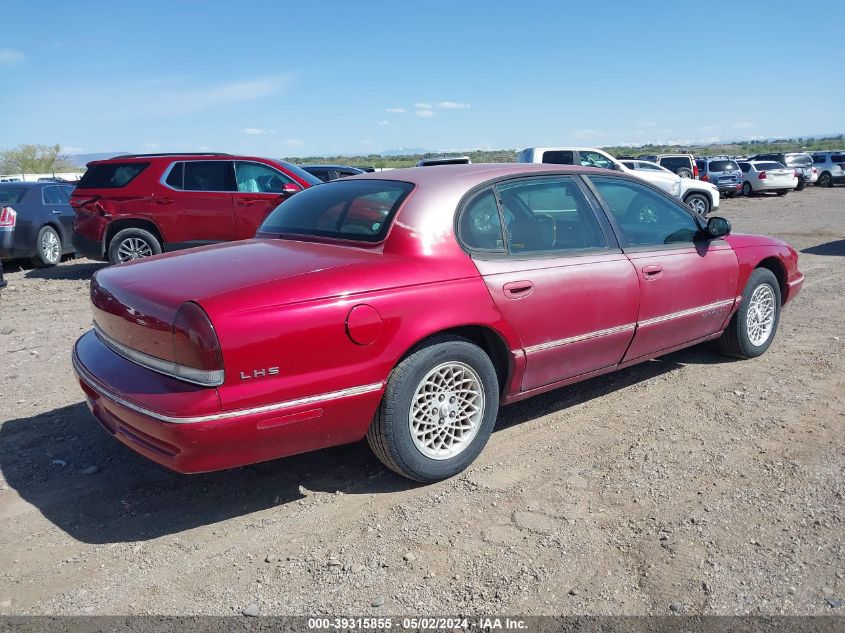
<point>717,227</point>
<point>290,188</point>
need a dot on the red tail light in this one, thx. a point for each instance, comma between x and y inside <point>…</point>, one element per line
<point>196,349</point>
<point>8,217</point>
<point>695,171</point>
<point>705,178</point>
<point>797,175</point>
<point>761,175</point>
<point>815,171</point>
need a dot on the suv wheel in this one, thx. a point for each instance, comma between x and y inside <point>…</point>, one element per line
<point>825,180</point>
<point>131,244</point>
<point>684,173</point>
<point>698,202</point>
<point>48,248</point>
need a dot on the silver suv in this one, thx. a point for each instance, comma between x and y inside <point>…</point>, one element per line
<point>830,166</point>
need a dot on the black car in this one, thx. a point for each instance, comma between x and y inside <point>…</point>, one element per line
<point>331,172</point>
<point>36,221</point>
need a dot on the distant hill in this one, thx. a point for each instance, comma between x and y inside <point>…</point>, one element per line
<point>80,160</point>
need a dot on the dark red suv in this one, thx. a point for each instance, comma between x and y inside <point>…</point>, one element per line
<point>139,205</point>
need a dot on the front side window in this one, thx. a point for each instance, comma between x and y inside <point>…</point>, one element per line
<point>208,175</point>
<point>651,166</point>
<point>555,157</point>
<point>594,159</point>
<point>837,158</point>
<point>360,210</point>
<point>258,178</point>
<point>645,217</point>
<point>548,215</point>
<point>818,158</point>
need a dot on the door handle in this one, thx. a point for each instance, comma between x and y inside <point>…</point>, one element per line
<point>56,211</point>
<point>652,272</point>
<point>245,202</point>
<point>518,289</point>
<point>164,200</point>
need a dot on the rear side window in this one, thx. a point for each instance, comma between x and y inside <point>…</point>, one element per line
<point>110,175</point>
<point>723,165</point>
<point>209,175</point>
<point>559,158</point>
<point>480,226</point>
<point>359,210</point>
<point>818,158</point>
<point>11,195</point>
<point>745,167</point>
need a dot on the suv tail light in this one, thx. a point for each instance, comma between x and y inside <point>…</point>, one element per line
<point>8,217</point>
<point>705,178</point>
<point>196,349</point>
<point>761,175</point>
<point>694,170</point>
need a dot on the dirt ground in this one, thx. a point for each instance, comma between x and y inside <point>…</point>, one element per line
<point>691,482</point>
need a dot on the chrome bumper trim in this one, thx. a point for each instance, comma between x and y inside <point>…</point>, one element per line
<point>89,380</point>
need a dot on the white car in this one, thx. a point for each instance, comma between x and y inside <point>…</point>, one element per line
<point>760,176</point>
<point>590,157</point>
<point>698,195</point>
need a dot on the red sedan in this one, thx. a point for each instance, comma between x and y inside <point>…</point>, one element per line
<point>408,306</point>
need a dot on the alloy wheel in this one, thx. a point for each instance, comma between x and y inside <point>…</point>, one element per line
<point>447,410</point>
<point>51,247</point>
<point>760,318</point>
<point>697,205</point>
<point>133,248</point>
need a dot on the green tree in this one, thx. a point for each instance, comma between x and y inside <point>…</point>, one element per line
<point>34,159</point>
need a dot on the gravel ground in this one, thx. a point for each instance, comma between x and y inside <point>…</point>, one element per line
<point>689,484</point>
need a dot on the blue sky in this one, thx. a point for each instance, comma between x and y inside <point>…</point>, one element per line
<point>305,78</point>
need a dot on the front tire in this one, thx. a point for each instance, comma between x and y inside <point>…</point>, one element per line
<point>825,180</point>
<point>698,202</point>
<point>752,328</point>
<point>48,248</point>
<point>131,244</point>
<point>438,410</point>
<point>747,189</point>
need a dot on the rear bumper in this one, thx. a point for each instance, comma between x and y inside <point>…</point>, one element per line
<point>85,246</point>
<point>8,248</point>
<point>182,426</point>
<point>731,188</point>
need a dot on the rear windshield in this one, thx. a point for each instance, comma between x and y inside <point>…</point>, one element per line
<point>110,175</point>
<point>11,194</point>
<point>723,165</point>
<point>761,166</point>
<point>675,162</point>
<point>799,160</point>
<point>359,210</point>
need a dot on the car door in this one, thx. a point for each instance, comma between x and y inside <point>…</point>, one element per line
<point>687,285</point>
<point>555,272</point>
<point>195,205</point>
<point>56,200</point>
<point>259,191</point>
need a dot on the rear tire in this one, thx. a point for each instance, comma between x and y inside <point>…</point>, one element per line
<point>438,410</point>
<point>754,325</point>
<point>48,248</point>
<point>698,202</point>
<point>131,244</point>
<point>747,189</point>
<point>801,185</point>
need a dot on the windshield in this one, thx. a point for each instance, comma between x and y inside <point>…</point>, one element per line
<point>799,160</point>
<point>360,210</point>
<point>311,179</point>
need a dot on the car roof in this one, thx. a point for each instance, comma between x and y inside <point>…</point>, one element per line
<point>33,185</point>
<point>165,156</point>
<point>310,166</point>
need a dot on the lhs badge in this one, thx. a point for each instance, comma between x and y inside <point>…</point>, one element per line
<point>260,373</point>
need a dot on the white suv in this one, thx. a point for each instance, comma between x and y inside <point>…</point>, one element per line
<point>699,196</point>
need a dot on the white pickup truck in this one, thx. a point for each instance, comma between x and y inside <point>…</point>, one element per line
<point>699,196</point>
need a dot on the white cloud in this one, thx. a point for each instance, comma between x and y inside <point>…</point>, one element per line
<point>384,122</point>
<point>742,125</point>
<point>10,57</point>
<point>254,130</point>
<point>426,114</point>
<point>186,101</point>
<point>423,106</point>
<point>452,105</point>
<point>396,110</point>
<point>293,142</point>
